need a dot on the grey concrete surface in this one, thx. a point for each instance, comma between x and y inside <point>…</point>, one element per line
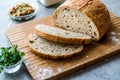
<point>109,69</point>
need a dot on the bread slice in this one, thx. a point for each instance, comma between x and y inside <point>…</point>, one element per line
<point>89,17</point>
<point>62,36</point>
<point>52,50</point>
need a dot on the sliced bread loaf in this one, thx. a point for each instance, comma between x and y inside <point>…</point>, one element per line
<point>89,17</point>
<point>52,50</point>
<point>61,35</point>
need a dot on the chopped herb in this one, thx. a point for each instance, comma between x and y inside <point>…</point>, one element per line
<point>9,56</point>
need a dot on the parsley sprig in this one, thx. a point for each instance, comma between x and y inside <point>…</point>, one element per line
<point>9,56</point>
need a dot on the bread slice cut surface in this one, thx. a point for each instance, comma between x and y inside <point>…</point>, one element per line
<point>89,17</point>
<point>61,35</point>
<point>50,49</point>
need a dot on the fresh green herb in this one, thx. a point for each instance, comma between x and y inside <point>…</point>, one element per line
<point>9,56</point>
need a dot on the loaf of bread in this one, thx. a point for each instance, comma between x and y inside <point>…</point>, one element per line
<point>52,50</point>
<point>89,17</point>
<point>61,35</point>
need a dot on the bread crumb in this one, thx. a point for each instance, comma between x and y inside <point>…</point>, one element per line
<point>87,56</point>
<point>85,61</point>
<point>109,49</point>
<point>27,63</point>
<point>112,47</point>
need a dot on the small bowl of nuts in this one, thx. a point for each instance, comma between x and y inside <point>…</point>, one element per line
<point>22,11</point>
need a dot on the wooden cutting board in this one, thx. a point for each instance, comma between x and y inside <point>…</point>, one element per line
<point>41,69</point>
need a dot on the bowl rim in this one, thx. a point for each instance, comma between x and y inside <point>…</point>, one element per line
<point>13,65</point>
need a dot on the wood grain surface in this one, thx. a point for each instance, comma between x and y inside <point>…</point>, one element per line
<point>44,69</point>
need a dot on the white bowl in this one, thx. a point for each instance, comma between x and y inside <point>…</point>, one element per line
<point>25,17</point>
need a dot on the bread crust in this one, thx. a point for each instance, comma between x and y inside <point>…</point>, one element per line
<point>63,39</point>
<point>94,9</point>
<point>54,57</point>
